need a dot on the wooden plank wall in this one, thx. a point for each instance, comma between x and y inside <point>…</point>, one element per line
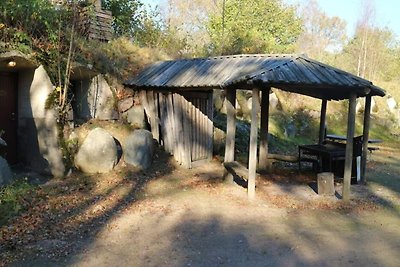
<point>182,123</point>
<point>96,24</point>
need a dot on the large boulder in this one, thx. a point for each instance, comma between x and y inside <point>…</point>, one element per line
<point>98,152</point>
<point>2,142</point>
<point>138,149</point>
<point>219,140</point>
<point>135,117</point>
<point>5,172</point>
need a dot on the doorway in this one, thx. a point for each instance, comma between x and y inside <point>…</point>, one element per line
<point>8,114</point>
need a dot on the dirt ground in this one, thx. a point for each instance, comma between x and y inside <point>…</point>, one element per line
<point>170,216</point>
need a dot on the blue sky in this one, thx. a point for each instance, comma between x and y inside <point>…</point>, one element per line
<point>387,11</point>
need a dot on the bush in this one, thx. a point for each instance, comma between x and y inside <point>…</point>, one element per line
<point>13,199</point>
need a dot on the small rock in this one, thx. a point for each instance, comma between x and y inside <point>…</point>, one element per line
<point>2,142</point>
<point>6,176</point>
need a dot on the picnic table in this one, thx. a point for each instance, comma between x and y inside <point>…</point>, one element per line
<point>323,155</point>
<point>330,155</point>
<point>335,137</point>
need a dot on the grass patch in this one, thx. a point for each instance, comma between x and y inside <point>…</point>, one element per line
<point>13,199</point>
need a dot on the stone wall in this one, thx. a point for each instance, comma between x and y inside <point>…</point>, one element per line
<point>93,99</point>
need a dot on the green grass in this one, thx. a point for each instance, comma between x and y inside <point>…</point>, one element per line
<point>12,199</point>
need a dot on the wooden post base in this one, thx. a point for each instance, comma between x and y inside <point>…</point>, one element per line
<point>326,184</point>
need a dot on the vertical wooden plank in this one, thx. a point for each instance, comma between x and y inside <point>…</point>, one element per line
<point>349,147</point>
<point>198,130</point>
<point>192,125</point>
<point>193,129</point>
<point>230,101</point>
<point>200,120</point>
<point>322,121</point>
<point>251,183</point>
<point>150,109</point>
<point>143,101</point>
<point>187,159</point>
<point>194,133</point>
<point>210,129</point>
<point>179,126</point>
<point>153,114</point>
<point>263,163</point>
<point>167,125</point>
<point>367,119</point>
<point>171,115</point>
<point>156,116</point>
<point>203,129</point>
<point>201,145</point>
<point>164,123</point>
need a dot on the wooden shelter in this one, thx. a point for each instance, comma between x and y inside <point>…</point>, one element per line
<point>293,73</point>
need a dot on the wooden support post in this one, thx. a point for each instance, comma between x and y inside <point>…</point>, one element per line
<point>263,163</point>
<point>367,117</point>
<point>349,147</point>
<point>255,106</point>
<point>322,121</point>
<point>230,131</point>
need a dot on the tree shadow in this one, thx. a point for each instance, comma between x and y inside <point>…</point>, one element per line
<point>63,212</point>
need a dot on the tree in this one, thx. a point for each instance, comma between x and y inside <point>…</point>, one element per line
<point>187,19</point>
<point>253,26</point>
<point>126,15</point>
<point>322,34</point>
<point>371,55</point>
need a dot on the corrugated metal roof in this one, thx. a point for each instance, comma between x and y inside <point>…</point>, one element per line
<point>293,73</point>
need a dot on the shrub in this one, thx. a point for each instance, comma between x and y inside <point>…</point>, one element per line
<point>13,199</point>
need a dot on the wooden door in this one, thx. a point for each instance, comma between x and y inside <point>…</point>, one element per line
<point>8,114</point>
<point>200,123</point>
<point>183,122</point>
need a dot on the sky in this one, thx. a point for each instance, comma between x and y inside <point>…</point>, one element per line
<point>387,12</point>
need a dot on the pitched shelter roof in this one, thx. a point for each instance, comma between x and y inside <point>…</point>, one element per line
<point>294,73</point>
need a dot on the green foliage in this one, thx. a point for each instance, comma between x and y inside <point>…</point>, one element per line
<point>14,199</point>
<point>253,27</point>
<point>36,17</point>
<point>150,30</point>
<point>39,28</point>
<point>12,38</point>
<point>321,33</point>
<point>126,15</point>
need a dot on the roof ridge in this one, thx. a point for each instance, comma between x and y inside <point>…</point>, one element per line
<point>262,71</point>
<point>233,56</point>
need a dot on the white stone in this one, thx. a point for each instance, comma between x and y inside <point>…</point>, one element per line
<point>273,101</point>
<point>391,103</point>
